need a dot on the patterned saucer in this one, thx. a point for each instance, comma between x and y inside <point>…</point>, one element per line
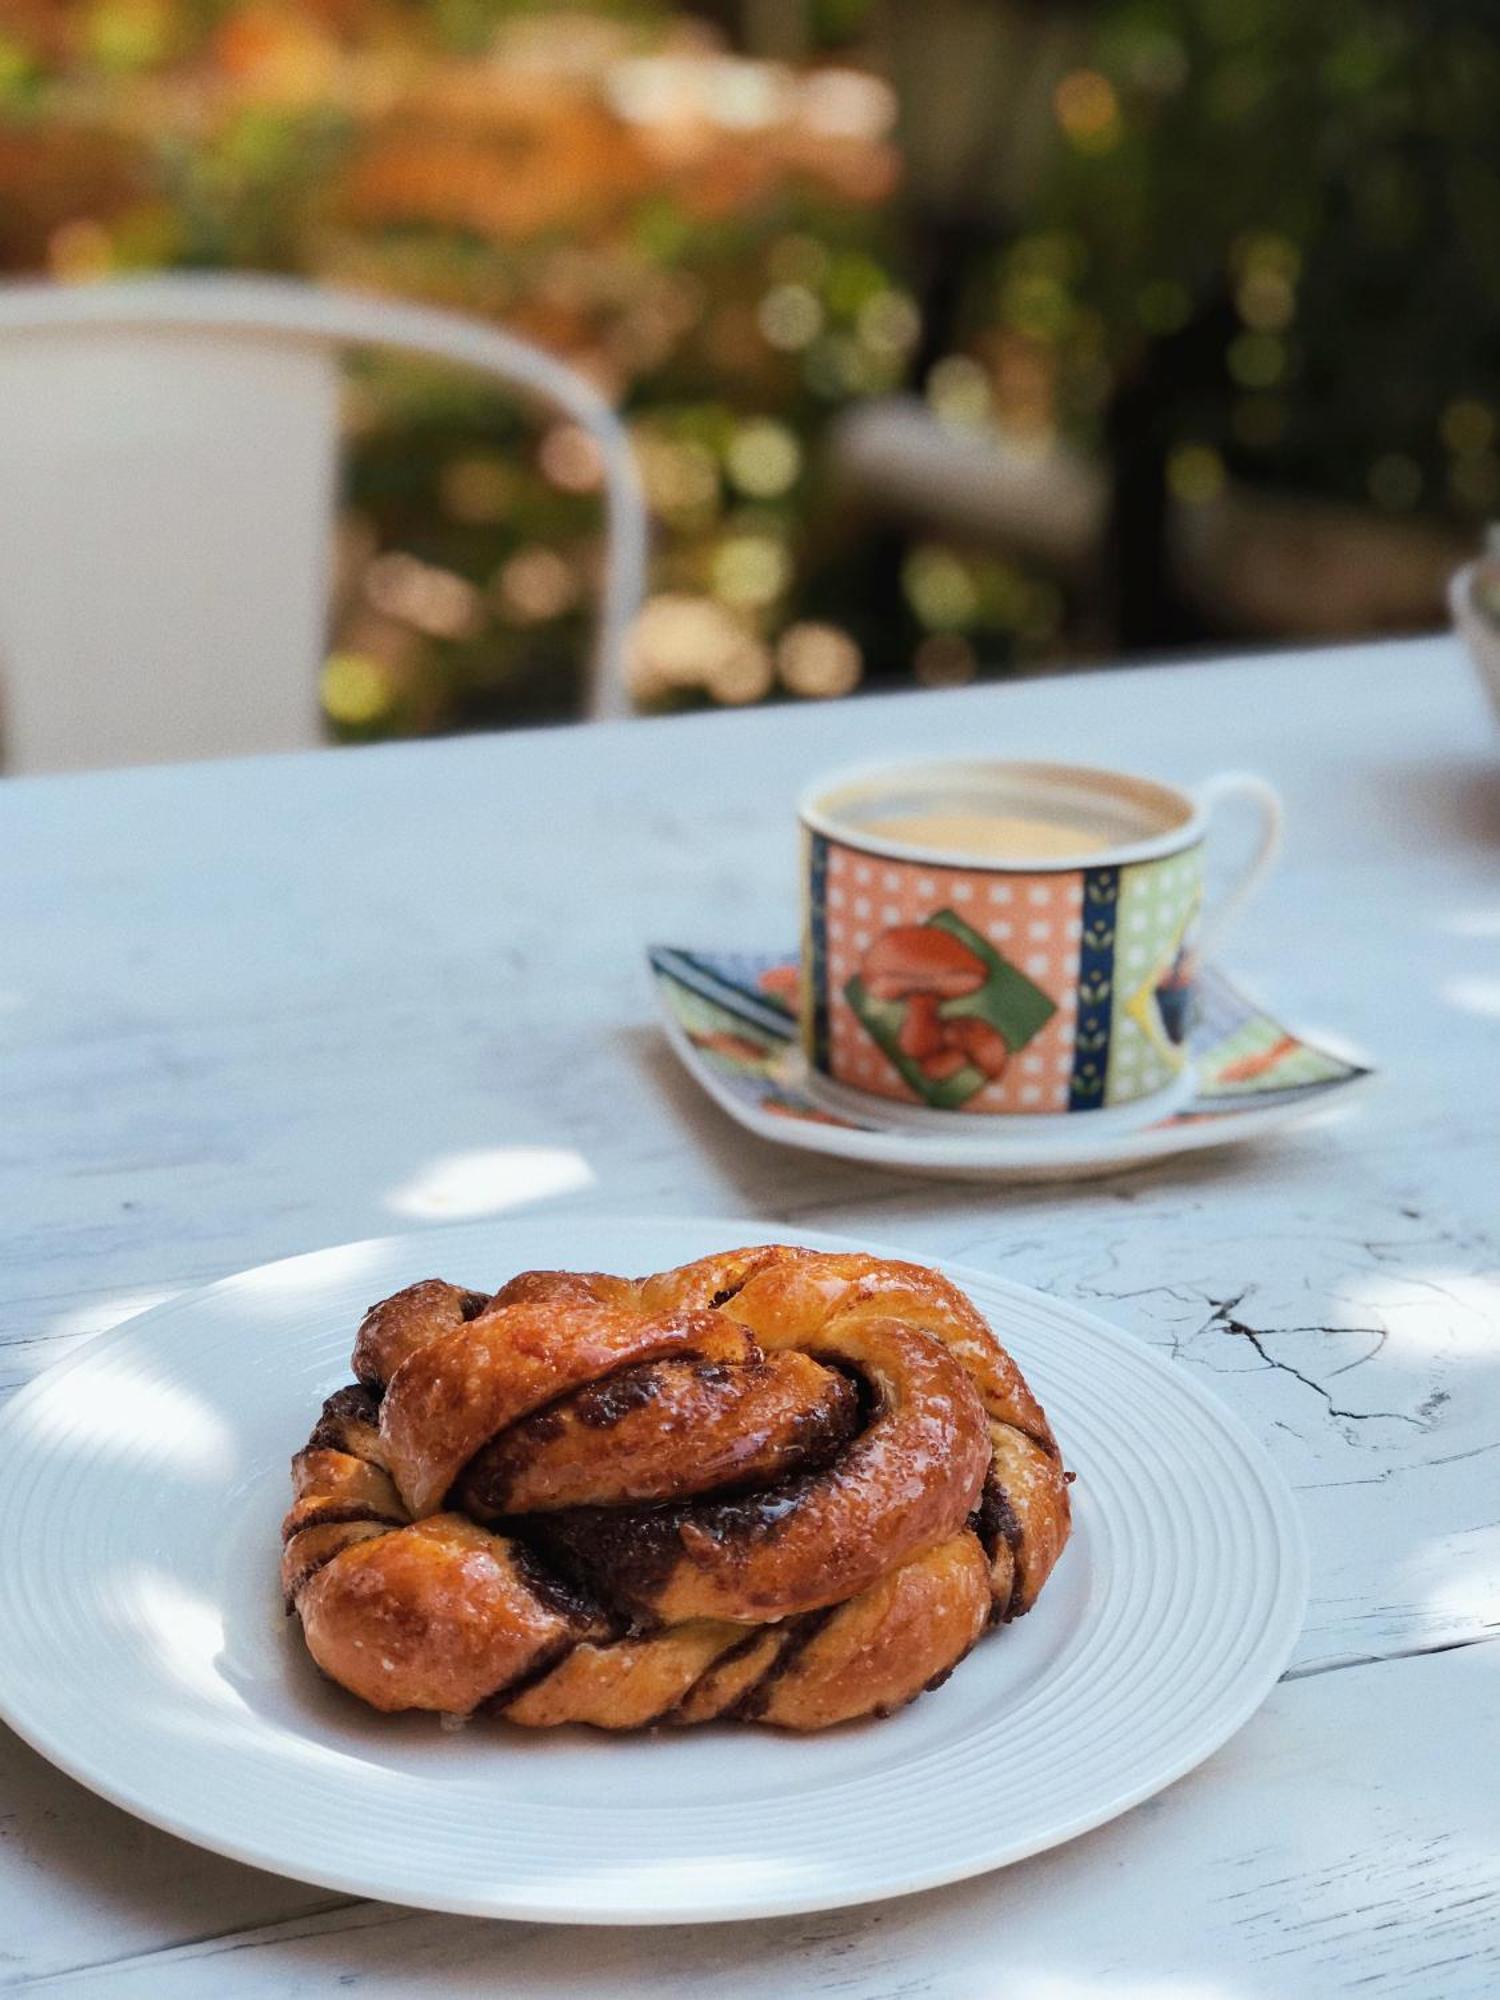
<point>730,1017</point>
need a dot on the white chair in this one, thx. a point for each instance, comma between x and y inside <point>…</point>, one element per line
<point>167,482</point>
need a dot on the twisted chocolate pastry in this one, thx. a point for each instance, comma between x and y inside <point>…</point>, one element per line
<point>774,1484</point>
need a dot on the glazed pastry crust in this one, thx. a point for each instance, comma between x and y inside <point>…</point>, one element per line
<point>773,1485</point>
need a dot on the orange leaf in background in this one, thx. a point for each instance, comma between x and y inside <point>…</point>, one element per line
<point>282,53</point>
<point>52,177</point>
<point>499,189</point>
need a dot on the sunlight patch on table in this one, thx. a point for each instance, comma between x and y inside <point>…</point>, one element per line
<point>488,1181</point>
<point>1472,923</point>
<point>1467,1595</point>
<point>99,1315</point>
<point>1474,996</point>
<point>1462,1327</point>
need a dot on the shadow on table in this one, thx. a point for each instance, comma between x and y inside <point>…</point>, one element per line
<point>774,1180</point>
<point>783,1181</point>
<point>1456,803</point>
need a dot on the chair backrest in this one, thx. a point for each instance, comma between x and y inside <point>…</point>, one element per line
<point>168,473</point>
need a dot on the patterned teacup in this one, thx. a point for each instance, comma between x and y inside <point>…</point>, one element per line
<point>1009,939</point>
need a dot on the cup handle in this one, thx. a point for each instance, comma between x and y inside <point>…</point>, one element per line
<point>1213,793</point>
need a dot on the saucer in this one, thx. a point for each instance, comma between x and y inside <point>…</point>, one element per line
<point>730,1017</point>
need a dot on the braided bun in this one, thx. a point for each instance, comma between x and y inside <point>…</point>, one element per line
<point>774,1484</point>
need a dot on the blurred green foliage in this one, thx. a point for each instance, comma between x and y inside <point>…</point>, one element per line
<point>1328,174</point>
<point>1250,237</point>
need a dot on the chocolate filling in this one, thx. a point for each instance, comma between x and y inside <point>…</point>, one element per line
<point>354,1406</point>
<point>801,1632</point>
<point>558,1591</point>
<point>624,1555</point>
<point>627,1554</point>
<point>868,1401</point>
<point>334,1513</point>
<point>621,1555</point>
<point>737,1651</point>
<point>546,1660</point>
<point>995,1519</point>
<point>603,1403</point>
<point>485,1484</point>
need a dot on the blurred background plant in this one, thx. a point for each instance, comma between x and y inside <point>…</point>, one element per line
<point>963,338</point>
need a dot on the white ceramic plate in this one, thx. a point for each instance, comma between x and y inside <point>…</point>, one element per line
<point>145,1650</point>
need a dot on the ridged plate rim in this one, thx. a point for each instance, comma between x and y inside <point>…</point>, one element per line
<point>949,1832</point>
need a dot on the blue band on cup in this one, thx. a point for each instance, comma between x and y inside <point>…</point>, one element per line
<point>1096,979</point>
<point>817,971</point>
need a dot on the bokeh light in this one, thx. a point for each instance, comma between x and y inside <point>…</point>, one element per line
<point>764,458</point>
<point>959,391</point>
<point>535,584</point>
<point>818,661</point>
<point>1195,474</point>
<point>1265,299</point>
<point>79,251</point>
<point>570,459</point>
<point>790,316</point>
<point>430,599</point>
<point>684,643</point>
<point>355,689</point>
<point>847,104</point>
<point>751,571</point>
<point>889,324</point>
<point>1088,110</point>
<point>1468,425</point>
<point>940,588</point>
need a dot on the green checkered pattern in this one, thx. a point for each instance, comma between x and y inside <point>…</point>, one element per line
<point>1155,896</point>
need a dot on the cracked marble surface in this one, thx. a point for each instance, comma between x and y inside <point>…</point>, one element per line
<point>250,1009</point>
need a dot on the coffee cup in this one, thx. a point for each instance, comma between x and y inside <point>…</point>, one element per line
<point>1007,940</point>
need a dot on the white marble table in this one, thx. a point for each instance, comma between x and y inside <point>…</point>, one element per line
<point>251,1009</point>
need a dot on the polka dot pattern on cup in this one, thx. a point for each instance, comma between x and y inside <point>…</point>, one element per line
<point>1157,900</point>
<point>1032,922</point>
